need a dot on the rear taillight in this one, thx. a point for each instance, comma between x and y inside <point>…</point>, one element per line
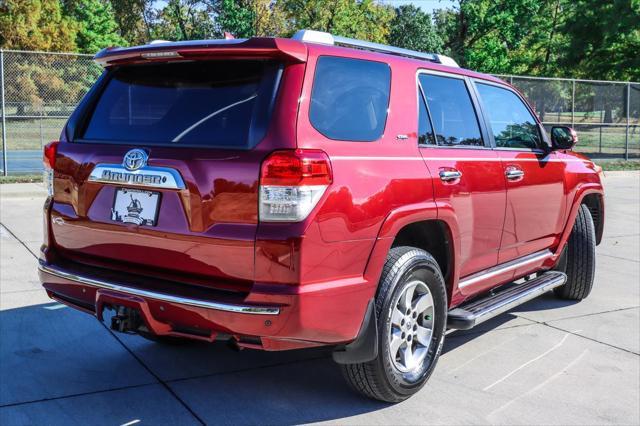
<point>49,160</point>
<point>292,183</point>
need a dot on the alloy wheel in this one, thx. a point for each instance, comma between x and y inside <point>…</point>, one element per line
<point>411,327</point>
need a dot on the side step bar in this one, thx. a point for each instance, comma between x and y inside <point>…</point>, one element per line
<point>480,310</point>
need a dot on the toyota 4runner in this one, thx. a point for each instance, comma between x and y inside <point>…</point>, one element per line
<point>291,193</point>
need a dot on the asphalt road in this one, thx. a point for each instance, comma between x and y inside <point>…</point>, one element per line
<point>546,362</point>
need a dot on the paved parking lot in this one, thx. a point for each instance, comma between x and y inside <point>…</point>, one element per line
<point>546,362</point>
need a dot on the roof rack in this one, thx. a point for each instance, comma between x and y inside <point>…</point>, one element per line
<point>312,36</point>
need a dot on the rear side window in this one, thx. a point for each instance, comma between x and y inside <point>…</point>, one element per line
<point>425,132</point>
<point>350,98</point>
<point>454,119</point>
<point>512,125</point>
<point>225,104</point>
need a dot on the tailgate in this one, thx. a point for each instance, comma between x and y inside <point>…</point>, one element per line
<point>162,169</point>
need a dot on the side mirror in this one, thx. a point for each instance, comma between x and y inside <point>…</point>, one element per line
<point>563,137</point>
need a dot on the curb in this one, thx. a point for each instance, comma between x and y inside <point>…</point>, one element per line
<point>622,173</point>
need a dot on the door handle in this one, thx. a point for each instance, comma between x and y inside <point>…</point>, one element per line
<point>513,173</point>
<point>450,175</point>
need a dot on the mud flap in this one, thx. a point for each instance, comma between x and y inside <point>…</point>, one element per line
<point>365,347</point>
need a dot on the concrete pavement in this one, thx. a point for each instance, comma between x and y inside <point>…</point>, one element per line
<point>546,362</point>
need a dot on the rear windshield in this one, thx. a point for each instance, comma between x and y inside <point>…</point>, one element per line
<point>225,104</point>
<point>349,99</point>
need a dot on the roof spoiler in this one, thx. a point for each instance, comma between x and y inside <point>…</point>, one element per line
<point>160,50</point>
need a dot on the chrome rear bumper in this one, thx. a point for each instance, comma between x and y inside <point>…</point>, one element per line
<point>123,288</point>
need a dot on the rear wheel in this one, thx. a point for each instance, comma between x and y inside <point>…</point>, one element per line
<point>411,308</point>
<point>578,258</point>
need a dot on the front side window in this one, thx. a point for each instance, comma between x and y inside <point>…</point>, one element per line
<point>452,113</point>
<point>512,125</point>
<point>221,104</point>
<point>349,99</point>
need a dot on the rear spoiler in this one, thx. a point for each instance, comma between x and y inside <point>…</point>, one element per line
<point>281,48</point>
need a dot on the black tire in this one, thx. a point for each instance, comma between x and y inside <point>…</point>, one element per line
<point>578,258</point>
<point>381,379</point>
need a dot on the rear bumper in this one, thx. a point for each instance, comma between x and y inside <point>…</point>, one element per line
<point>270,317</point>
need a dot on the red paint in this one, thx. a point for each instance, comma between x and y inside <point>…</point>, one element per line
<point>323,271</point>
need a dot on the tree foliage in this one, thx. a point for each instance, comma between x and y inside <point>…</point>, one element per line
<point>186,20</point>
<point>135,19</point>
<point>366,19</point>
<point>36,25</point>
<point>565,38</point>
<point>604,41</point>
<point>249,18</point>
<point>97,27</point>
<point>411,28</point>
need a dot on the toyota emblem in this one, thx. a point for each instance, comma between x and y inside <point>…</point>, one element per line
<point>135,159</point>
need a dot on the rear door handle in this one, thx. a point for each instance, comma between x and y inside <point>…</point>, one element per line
<point>450,175</point>
<point>514,173</point>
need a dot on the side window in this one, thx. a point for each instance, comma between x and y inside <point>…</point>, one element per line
<point>454,119</point>
<point>512,124</point>
<point>350,98</point>
<point>425,131</point>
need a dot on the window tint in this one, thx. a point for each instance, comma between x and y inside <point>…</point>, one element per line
<point>425,131</point>
<point>452,113</point>
<point>216,103</point>
<point>512,124</point>
<point>349,99</point>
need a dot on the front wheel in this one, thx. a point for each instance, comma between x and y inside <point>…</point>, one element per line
<point>578,258</point>
<point>411,308</point>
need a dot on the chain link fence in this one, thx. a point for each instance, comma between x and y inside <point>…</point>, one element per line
<point>606,114</point>
<point>38,92</point>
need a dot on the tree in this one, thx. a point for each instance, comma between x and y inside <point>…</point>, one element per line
<point>248,18</point>
<point>36,25</point>
<point>366,19</point>
<point>237,18</point>
<point>97,25</point>
<point>134,18</point>
<point>186,20</point>
<point>411,28</point>
<point>604,39</point>
<point>510,36</point>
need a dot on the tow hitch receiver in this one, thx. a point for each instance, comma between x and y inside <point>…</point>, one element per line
<point>125,320</point>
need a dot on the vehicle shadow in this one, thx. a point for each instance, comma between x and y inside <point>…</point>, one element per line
<point>545,302</point>
<point>49,351</point>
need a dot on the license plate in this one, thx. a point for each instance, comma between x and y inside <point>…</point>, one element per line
<point>135,206</point>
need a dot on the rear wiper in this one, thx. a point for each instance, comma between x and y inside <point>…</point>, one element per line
<point>213,114</point>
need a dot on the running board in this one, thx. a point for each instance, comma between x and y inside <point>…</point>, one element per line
<point>480,310</point>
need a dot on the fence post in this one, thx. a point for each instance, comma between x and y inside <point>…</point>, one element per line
<point>573,102</point>
<point>626,133</point>
<point>4,121</point>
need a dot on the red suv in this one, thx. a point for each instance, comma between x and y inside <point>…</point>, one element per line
<point>290,193</point>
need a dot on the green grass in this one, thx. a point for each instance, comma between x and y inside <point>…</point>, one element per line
<point>27,134</point>
<point>34,178</point>
<point>617,165</point>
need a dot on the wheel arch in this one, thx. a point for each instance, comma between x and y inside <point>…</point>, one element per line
<point>589,195</point>
<point>420,227</point>
<point>595,203</point>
